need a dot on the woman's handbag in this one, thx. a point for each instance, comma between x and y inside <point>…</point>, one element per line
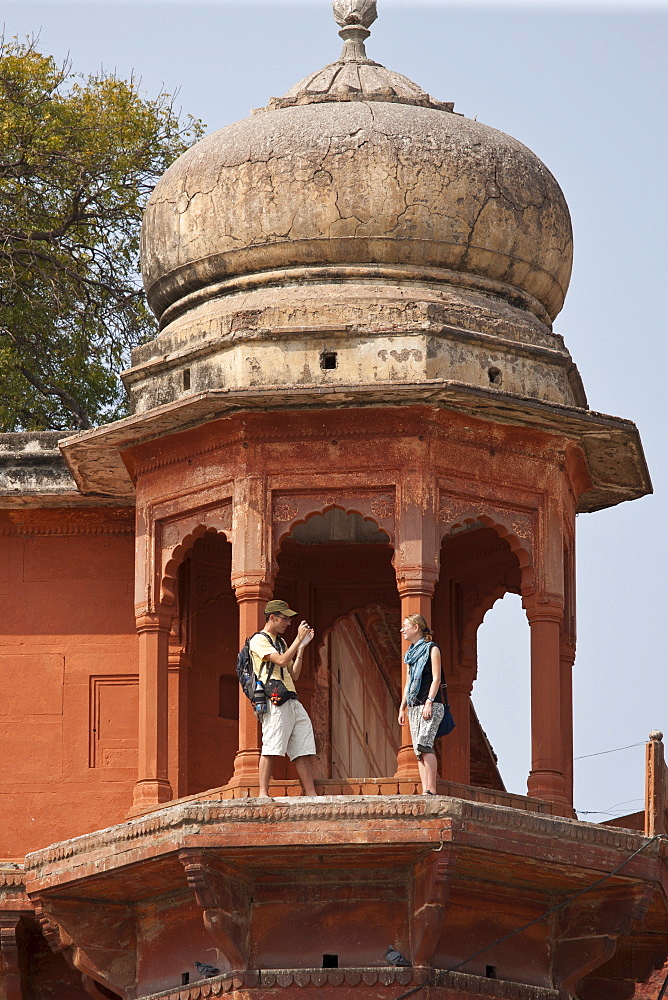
<point>447,723</point>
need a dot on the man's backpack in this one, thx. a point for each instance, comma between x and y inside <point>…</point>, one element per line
<point>251,685</point>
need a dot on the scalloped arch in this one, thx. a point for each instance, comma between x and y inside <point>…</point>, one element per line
<point>517,544</point>
<point>176,557</point>
<point>320,513</point>
<point>469,644</point>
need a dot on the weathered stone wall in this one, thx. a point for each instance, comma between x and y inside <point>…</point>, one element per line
<point>68,673</point>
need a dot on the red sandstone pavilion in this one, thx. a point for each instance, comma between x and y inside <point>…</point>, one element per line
<point>356,402</point>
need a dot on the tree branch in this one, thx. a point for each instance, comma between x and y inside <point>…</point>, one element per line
<point>69,402</point>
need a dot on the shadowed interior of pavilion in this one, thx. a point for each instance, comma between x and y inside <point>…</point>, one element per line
<point>336,570</point>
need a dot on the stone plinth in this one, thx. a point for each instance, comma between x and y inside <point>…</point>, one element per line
<point>277,885</point>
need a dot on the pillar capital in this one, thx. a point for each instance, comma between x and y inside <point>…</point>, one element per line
<point>544,611</point>
<point>252,591</point>
<point>159,620</point>
<point>416,580</point>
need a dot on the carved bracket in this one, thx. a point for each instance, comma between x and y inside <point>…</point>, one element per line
<point>431,890</point>
<point>224,897</point>
<point>588,930</point>
<point>97,939</point>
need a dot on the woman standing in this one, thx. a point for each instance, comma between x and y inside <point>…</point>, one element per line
<point>422,696</point>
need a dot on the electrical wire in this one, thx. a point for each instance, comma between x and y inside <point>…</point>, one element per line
<point>536,920</point>
<point>602,753</point>
<point>610,811</point>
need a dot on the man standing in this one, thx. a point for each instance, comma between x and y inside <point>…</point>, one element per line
<point>286,728</point>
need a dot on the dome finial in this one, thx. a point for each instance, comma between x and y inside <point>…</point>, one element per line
<point>355,18</point>
<point>355,12</point>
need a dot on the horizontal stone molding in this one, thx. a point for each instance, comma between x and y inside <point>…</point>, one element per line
<point>12,875</point>
<point>177,820</point>
<point>364,978</point>
<point>352,273</point>
<point>67,530</point>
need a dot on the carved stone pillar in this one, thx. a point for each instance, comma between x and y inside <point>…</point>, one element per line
<point>179,676</point>
<point>655,785</point>
<point>546,779</point>
<point>415,599</point>
<point>153,785</point>
<point>456,748</point>
<point>416,566</point>
<point>252,582</point>
<point>567,657</point>
<point>251,599</point>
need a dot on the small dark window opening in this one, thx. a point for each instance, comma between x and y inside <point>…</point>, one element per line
<point>330,961</point>
<point>490,972</point>
<point>186,378</point>
<point>185,978</point>
<point>494,376</point>
<point>228,697</point>
<point>328,360</point>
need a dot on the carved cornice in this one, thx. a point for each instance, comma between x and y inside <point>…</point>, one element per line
<point>93,521</point>
<point>250,431</point>
<point>364,978</point>
<point>12,875</point>
<point>68,529</point>
<point>196,816</point>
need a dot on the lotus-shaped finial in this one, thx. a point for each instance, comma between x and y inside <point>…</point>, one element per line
<point>352,12</point>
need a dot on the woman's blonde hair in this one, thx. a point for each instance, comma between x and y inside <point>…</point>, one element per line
<point>420,623</point>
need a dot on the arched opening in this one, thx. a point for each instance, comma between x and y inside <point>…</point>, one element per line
<point>357,669</point>
<point>502,690</point>
<point>204,692</point>
<point>477,567</point>
<point>335,569</point>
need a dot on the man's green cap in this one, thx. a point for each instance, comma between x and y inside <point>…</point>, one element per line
<point>279,608</point>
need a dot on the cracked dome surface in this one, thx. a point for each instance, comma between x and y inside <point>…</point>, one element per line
<point>357,183</point>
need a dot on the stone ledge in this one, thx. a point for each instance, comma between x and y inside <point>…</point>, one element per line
<point>612,445</point>
<point>408,820</point>
<point>33,473</point>
<point>326,787</point>
<point>453,982</point>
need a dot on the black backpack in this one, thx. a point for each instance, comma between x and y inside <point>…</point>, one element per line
<point>252,686</point>
<point>247,677</point>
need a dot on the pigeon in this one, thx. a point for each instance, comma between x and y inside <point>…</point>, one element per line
<point>395,957</point>
<point>207,970</point>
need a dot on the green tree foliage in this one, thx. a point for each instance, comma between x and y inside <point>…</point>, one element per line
<point>78,159</point>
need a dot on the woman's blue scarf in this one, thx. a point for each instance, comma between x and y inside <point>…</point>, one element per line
<point>416,656</point>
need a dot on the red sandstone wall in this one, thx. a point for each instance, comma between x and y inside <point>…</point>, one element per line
<point>68,674</point>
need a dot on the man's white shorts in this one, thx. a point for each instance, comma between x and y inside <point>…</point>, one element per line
<point>287,729</point>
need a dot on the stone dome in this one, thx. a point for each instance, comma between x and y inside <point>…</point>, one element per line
<point>355,234</point>
<point>358,166</point>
